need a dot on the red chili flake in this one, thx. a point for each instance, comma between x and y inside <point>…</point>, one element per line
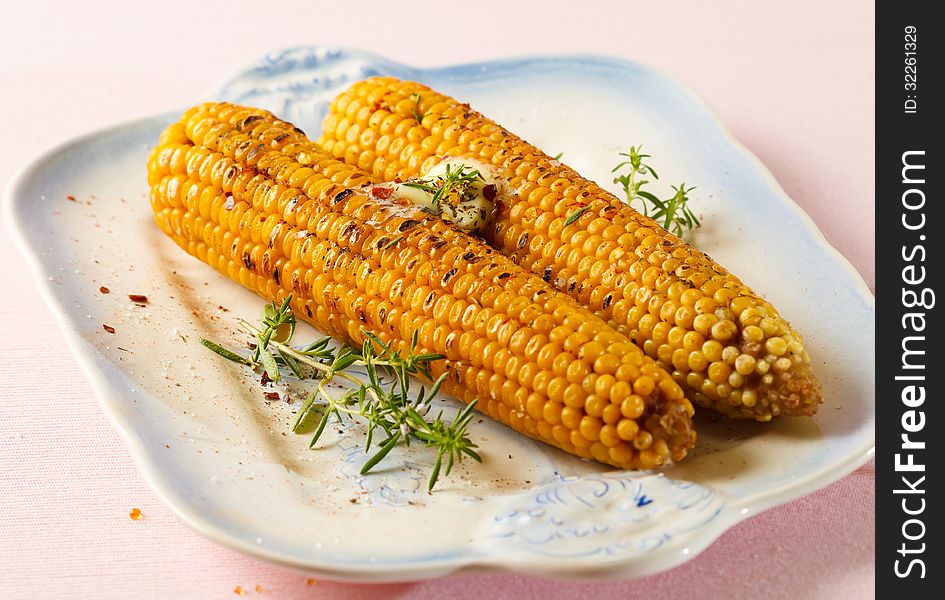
<point>140,299</point>
<point>108,328</point>
<point>265,378</point>
<point>382,192</point>
<point>104,289</point>
<point>271,395</point>
<point>488,192</point>
<point>71,198</point>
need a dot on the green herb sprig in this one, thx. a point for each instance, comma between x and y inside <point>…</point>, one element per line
<point>575,215</point>
<point>416,111</point>
<point>673,213</point>
<point>386,408</point>
<point>458,178</point>
<point>393,242</point>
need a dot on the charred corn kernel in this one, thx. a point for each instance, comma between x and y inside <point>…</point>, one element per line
<point>250,195</point>
<point>668,297</point>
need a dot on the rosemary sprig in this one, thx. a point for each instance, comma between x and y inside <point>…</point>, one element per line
<point>386,408</point>
<point>674,213</point>
<point>458,178</point>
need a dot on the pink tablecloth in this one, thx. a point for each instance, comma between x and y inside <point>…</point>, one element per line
<point>792,80</point>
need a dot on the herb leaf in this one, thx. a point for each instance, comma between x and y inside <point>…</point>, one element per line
<point>673,213</point>
<point>575,215</point>
<point>306,407</point>
<point>388,407</point>
<point>227,354</point>
<point>379,456</point>
<point>269,364</point>
<point>392,243</point>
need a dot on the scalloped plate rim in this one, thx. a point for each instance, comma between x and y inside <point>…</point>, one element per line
<point>734,511</point>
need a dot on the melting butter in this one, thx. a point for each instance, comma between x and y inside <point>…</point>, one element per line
<point>468,206</point>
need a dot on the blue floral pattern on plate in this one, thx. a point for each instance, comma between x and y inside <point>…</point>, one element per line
<point>617,515</point>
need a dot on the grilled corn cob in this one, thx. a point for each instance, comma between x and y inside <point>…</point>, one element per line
<point>727,346</point>
<point>251,196</point>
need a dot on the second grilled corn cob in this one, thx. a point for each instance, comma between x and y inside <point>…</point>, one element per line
<point>251,196</point>
<point>727,346</point>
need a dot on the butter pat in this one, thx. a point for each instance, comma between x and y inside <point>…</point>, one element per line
<point>462,191</point>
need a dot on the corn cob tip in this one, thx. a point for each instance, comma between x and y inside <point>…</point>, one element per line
<point>676,421</point>
<point>797,393</point>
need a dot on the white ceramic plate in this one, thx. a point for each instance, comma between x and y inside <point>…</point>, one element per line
<point>224,460</point>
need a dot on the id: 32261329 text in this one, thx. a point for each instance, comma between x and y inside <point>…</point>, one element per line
<point>910,69</point>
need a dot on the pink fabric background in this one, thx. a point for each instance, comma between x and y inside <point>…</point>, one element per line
<point>792,80</point>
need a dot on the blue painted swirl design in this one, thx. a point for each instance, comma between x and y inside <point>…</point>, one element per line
<point>298,83</point>
<point>611,515</point>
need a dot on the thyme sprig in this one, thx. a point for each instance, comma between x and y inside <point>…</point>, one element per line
<point>458,178</point>
<point>385,407</point>
<point>673,213</point>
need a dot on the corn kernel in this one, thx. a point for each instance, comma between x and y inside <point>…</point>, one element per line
<point>590,428</point>
<point>632,407</point>
<point>627,430</point>
<point>745,364</point>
